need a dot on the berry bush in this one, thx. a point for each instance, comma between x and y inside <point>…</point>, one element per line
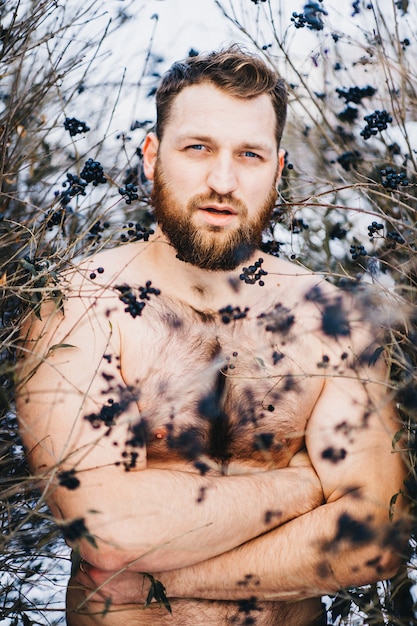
<point>347,210</point>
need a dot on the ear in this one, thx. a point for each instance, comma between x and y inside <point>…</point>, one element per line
<point>150,154</point>
<point>281,162</point>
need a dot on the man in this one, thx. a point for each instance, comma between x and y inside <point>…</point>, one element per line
<point>203,418</point>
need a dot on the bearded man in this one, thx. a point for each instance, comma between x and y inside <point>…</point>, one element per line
<point>220,474</point>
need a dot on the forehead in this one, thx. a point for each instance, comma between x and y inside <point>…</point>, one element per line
<point>207,110</point>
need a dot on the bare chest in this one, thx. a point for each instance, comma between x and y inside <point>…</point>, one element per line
<point>228,389</point>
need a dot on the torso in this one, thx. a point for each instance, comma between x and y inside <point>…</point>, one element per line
<point>216,396</point>
<point>202,613</point>
<point>227,393</point>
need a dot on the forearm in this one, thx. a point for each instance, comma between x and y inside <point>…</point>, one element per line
<point>333,547</point>
<point>306,557</point>
<point>169,519</point>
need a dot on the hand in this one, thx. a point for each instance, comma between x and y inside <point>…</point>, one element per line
<point>300,459</point>
<point>120,587</point>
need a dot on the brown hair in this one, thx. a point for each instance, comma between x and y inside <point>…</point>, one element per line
<point>239,73</point>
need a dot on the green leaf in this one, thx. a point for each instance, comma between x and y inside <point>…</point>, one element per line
<point>56,346</point>
<point>28,266</point>
<point>392,505</point>
<point>375,356</point>
<point>397,437</point>
<point>75,560</point>
<point>157,591</point>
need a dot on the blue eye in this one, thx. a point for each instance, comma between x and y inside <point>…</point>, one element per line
<point>250,154</point>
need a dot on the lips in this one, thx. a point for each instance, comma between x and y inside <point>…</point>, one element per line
<point>217,215</point>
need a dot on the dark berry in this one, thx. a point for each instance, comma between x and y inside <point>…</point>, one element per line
<point>375,122</point>
<point>310,18</point>
<point>74,126</point>
<point>93,172</point>
<point>252,274</point>
<point>356,94</point>
<point>129,192</point>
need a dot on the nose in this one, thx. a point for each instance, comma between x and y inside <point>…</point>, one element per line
<point>222,175</point>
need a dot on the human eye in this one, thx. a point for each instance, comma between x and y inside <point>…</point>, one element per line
<point>199,147</point>
<point>250,155</point>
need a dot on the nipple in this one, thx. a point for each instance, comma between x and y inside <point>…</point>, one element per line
<point>160,433</point>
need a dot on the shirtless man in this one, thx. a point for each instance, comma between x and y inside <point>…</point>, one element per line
<point>216,428</point>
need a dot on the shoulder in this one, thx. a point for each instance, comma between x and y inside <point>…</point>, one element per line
<point>82,297</point>
<point>105,269</point>
<point>297,288</point>
<point>334,315</point>
<point>295,279</point>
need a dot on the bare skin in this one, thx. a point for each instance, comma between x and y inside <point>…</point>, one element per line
<point>230,452</point>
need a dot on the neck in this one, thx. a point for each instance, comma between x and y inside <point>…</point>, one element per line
<point>203,289</point>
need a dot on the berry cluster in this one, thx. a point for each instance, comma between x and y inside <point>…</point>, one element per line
<point>134,307</point>
<point>373,229</point>
<point>334,321</point>
<point>394,239</point>
<point>229,313</point>
<point>107,415</point>
<point>74,530</point>
<point>272,247</point>
<point>391,179</point>
<point>349,159</point>
<point>74,126</point>
<point>311,17</point>
<point>68,479</point>
<point>99,270</point>
<point>402,5</point>
<point>298,225</point>
<point>136,232</point>
<point>356,7</point>
<point>357,251</point>
<point>376,121</point>
<point>254,273</point>
<point>93,172</point>
<point>187,442</point>
<point>348,115</point>
<point>146,291</point>
<point>337,231</point>
<point>54,217</point>
<point>74,186</point>
<point>279,320</point>
<point>94,232</point>
<point>356,94</point>
<point>129,192</point>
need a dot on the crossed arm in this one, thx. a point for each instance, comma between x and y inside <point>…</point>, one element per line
<point>138,518</point>
<point>147,518</point>
<point>347,541</point>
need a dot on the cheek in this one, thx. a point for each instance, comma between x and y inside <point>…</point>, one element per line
<point>182,180</point>
<point>256,195</point>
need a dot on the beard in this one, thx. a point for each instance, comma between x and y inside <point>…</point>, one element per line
<point>209,247</point>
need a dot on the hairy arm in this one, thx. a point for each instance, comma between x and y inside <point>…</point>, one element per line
<point>77,417</point>
<point>348,541</point>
